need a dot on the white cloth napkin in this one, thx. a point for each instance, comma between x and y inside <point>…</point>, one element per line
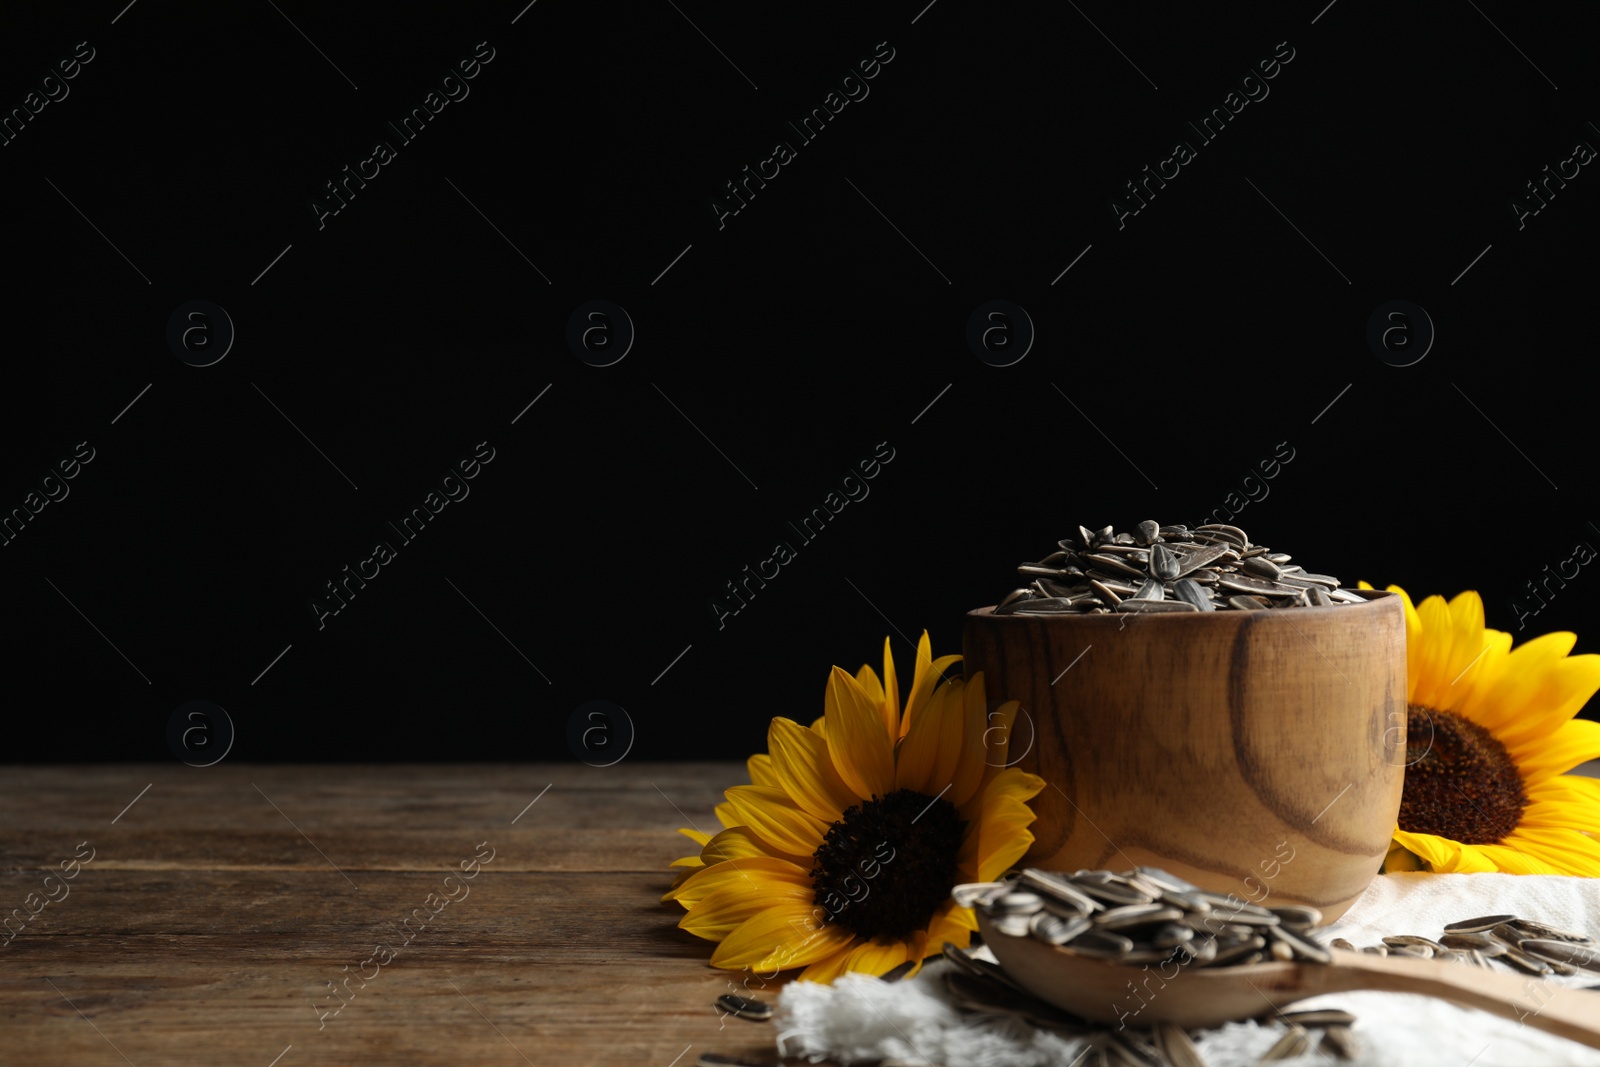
<point>859,1018</point>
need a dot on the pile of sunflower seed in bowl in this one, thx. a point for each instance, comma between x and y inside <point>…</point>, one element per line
<point>1159,568</point>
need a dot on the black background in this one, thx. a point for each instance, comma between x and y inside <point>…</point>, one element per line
<point>774,352</point>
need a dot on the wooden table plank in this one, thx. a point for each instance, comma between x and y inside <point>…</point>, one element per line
<point>207,930</point>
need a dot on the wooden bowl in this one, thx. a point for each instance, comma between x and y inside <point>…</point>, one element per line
<point>1251,752</point>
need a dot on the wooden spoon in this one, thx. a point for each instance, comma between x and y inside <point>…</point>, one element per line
<point>1194,996</point>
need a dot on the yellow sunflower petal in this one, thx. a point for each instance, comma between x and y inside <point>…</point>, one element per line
<point>951,924</point>
<point>804,770</point>
<point>876,957</point>
<point>918,759</point>
<point>1444,855</point>
<point>720,912</point>
<point>1437,650</point>
<point>997,733</point>
<point>760,768</point>
<point>969,772</point>
<point>741,842</point>
<point>774,818</point>
<point>1545,693</point>
<point>891,693</point>
<point>1530,850</point>
<point>867,679</point>
<point>1414,649</point>
<point>696,836</point>
<point>925,676</point>
<point>1575,742</point>
<point>1563,802</point>
<point>1000,836</point>
<point>756,875</point>
<point>829,967</point>
<point>952,735</point>
<point>856,739</point>
<point>783,936</point>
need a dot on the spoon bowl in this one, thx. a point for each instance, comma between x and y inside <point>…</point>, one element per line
<point>1194,996</point>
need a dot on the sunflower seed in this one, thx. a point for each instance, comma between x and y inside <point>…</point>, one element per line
<point>1136,915</point>
<point>1157,606</point>
<point>1341,1041</point>
<point>1483,943</point>
<point>1246,603</point>
<point>1170,935</point>
<point>1054,887</point>
<point>1012,599</point>
<point>897,972</point>
<point>1106,594</point>
<point>1107,561</point>
<point>1017,901</point>
<point>1042,605</point>
<point>1318,1017</point>
<point>1243,583</point>
<point>1297,916</point>
<point>1177,1046</point>
<point>1341,943</point>
<point>1129,1049</point>
<point>717,1059</point>
<point>745,1007</point>
<point>1553,950</point>
<point>1163,564</point>
<point>1056,930</point>
<point>1197,950</point>
<point>1421,952</point>
<point>1412,941</point>
<point>968,894</point>
<point>1096,944</point>
<point>1112,892</point>
<point>1012,924</point>
<point>1186,590</point>
<point>1540,930</point>
<point>1150,590</point>
<point>1299,947</point>
<point>1259,566</point>
<point>1478,925</point>
<point>1294,1042</point>
<point>1524,962</point>
<point>1164,880</point>
<point>1149,532</point>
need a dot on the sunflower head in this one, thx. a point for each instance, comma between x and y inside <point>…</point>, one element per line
<point>1489,733</point>
<point>841,853</point>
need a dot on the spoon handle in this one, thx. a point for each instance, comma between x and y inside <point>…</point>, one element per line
<point>1532,1001</point>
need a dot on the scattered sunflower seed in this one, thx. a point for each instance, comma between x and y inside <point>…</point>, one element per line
<point>1341,1041</point>
<point>717,1059</point>
<point>1177,1047</point>
<point>1294,1042</point>
<point>745,1007</point>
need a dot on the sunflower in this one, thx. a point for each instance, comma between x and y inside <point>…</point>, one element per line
<point>1489,731</point>
<point>841,853</point>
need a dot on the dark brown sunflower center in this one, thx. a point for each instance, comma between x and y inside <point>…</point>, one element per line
<point>887,864</point>
<point>1464,785</point>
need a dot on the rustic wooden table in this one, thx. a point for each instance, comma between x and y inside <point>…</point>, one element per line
<point>223,915</point>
